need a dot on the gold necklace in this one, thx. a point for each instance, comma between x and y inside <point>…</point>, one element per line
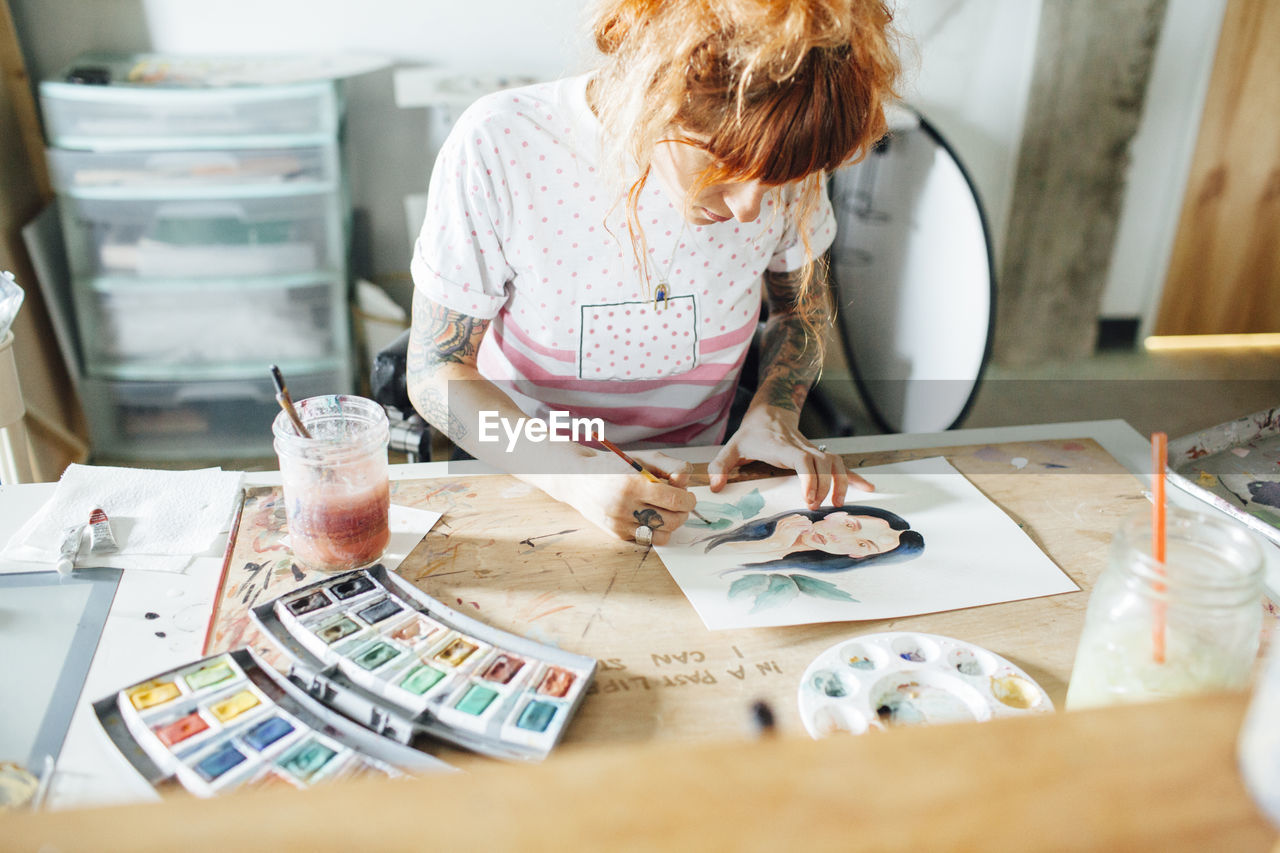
<point>663,291</point>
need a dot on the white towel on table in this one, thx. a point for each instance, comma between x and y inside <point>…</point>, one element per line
<point>160,519</point>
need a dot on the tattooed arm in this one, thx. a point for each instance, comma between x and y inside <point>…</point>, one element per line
<point>790,349</point>
<point>449,391</point>
<point>790,360</point>
<point>442,347</point>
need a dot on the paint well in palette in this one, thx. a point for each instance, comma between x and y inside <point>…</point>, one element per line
<point>476,700</point>
<point>308,603</point>
<point>337,629</point>
<point>536,716</point>
<point>181,729</point>
<point>1015,691</point>
<point>414,629</point>
<point>233,706</point>
<point>829,684</point>
<point>153,693</point>
<point>375,613</point>
<point>376,655</point>
<point>503,668</point>
<point>556,682</point>
<point>914,702</point>
<point>421,679</point>
<point>219,762</point>
<point>351,588</point>
<point>308,759</point>
<point>267,732</point>
<point>456,652</point>
<point>208,676</point>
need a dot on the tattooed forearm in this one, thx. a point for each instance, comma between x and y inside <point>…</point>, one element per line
<point>440,338</point>
<point>790,352</point>
<point>434,406</point>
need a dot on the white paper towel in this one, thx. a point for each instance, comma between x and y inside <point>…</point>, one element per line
<point>160,519</point>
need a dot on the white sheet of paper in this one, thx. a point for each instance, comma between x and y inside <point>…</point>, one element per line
<point>408,525</point>
<point>973,553</point>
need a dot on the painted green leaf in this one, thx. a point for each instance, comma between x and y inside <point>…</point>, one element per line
<point>821,588</point>
<point>751,504</point>
<point>781,590</point>
<point>748,585</point>
<point>745,507</point>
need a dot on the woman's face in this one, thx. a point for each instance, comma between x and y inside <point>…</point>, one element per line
<point>855,535</point>
<point>678,165</point>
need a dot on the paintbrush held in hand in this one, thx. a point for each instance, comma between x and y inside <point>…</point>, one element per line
<point>286,402</point>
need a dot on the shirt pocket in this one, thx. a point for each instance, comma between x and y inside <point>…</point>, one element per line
<point>637,340</point>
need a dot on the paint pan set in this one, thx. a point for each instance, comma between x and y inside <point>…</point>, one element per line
<point>227,721</point>
<point>877,681</point>
<point>374,647</point>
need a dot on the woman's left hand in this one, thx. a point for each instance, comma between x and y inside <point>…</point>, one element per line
<point>771,434</point>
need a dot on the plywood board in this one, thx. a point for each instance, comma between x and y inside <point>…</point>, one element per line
<point>512,557</point>
<point>1224,270</point>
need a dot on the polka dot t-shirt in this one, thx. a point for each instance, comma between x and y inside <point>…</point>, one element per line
<point>521,230</point>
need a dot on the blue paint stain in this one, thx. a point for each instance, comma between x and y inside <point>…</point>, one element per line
<point>1265,492</point>
<point>1053,465</point>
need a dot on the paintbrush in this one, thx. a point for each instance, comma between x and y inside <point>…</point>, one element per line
<point>645,472</point>
<point>286,402</point>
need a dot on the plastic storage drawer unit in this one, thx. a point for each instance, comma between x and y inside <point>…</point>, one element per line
<point>106,102</point>
<point>128,174</point>
<point>203,237</point>
<point>197,330</point>
<point>191,420</point>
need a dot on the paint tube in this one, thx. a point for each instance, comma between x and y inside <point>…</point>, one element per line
<point>100,539</point>
<point>68,548</point>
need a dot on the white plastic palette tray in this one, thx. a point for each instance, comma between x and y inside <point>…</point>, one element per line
<point>906,678</point>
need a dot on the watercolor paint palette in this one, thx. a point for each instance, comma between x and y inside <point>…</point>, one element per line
<point>1234,467</point>
<point>878,681</point>
<point>228,721</point>
<point>374,647</point>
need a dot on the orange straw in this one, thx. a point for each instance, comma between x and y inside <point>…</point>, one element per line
<point>1159,454</point>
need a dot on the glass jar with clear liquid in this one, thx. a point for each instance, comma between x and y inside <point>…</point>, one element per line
<point>1203,606</point>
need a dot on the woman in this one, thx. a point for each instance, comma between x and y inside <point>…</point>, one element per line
<point>553,275</point>
<point>829,540</point>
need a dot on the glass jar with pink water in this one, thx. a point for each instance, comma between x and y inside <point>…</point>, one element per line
<point>336,490</point>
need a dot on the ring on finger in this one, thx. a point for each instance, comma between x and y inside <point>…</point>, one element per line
<point>822,448</point>
<point>644,535</point>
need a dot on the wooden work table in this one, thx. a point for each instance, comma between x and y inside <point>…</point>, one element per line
<point>1151,777</point>
<point>673,764</point>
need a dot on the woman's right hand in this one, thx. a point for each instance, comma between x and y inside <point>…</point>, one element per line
<point>620,501</point>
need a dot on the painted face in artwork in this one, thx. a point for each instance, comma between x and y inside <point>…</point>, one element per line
<point>678,165</point>
<point>855,535</point>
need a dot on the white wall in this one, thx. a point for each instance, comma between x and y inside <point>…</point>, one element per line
<point>971,77</point>
<point>969,70</point>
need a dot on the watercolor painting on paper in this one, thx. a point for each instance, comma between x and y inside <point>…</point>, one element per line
<point>925,541</point>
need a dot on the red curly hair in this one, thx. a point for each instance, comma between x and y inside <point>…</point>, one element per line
<point>779,92</point>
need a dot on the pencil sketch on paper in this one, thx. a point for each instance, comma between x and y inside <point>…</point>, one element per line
<point>760,561</point>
